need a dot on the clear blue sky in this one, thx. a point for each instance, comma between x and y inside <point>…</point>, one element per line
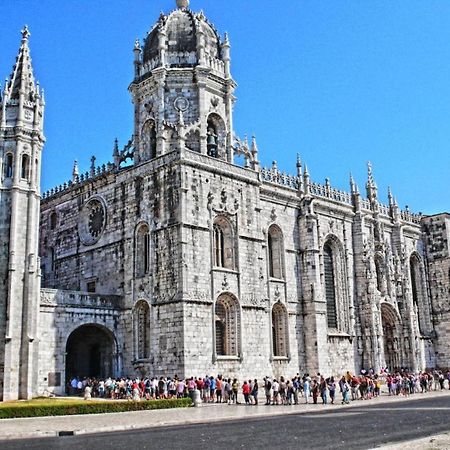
<point>339,81</point>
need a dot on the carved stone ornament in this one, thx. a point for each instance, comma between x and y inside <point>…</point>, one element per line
<point>181,104</point>
<point>214,102</point>
<point>273,215</point>
<point>224,206</point>
<point>92,221</point>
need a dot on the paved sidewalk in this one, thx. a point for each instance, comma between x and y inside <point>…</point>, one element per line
<point>101,423</point>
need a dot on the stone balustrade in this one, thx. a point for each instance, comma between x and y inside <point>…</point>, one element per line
<point>58,297</point>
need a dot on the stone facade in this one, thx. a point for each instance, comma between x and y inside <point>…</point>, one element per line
<point>188,263</point>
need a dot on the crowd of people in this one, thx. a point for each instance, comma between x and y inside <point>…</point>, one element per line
<point>274,391</point>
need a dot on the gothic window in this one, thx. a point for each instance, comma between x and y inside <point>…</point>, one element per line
<point>142,329</point>
<point>330,288</point>
<point>215,136</point>
<point>25,167</point>
<point>275,248</point>
<point>417,288</point>
<point>223,244</point>
<point>9,166</point>
<point>280,330</point>
<point>211,140</point>
<point>53,220</point>
<point>227,326</point>
<point>148,139</point>
<point>142,251</point>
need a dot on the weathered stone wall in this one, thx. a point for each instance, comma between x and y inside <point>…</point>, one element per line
<point>437,240</point>
<point>5,214</point>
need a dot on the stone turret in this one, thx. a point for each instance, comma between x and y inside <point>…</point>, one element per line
<point>21,143</point>
<point>183,71</point>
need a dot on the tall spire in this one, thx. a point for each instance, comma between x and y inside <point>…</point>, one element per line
<point>371,187</point>
<point>22,79</point>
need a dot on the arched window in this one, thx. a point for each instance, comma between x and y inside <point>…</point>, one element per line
<point>148,139</point>
<point>417,288</point>
<point>330,287</point>
<point>279,330</point>
<point>25,167</point>
<point>9,166</point>
<point>275,248</point>
<point>53,220</point>
<point>223,243</point>
<point>216,136</point>
<point>227,326</point>
<point>142,329</point>
<point>142,251</point>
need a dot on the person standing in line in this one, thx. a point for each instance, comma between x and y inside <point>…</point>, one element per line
<point>235,390</point>
<point>307,388</point>
<point>212,389</point>
<point>268,390</point>
<point>275,391</point>
<point>314,390</point>
<point>296,388</point>
<point>246,392</point>
<point>219,390</point>
<point>332,389</point>
<point>255,389</point>
<point>323,390</point>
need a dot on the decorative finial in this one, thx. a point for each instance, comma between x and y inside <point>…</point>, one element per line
<point>25,33</point>
<point>390,196</point>
<point>75,171</point>
<point>182,4</point>
<point>370,173</point>
<point>137,45</point>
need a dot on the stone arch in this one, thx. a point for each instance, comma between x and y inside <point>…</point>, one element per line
<point>25,167</point>
<point>53,219</point>
<point>223,243</point>
<point>419,292</point>
<point>216,136</point>
<point>142,250</point>
<point>91,351</point>
<point>280,334</point>
<point>275,247</point>
<point>335,284</point>
<point>141,317</point>
<point>392,336</point>
<point>227,325</point>
<point>148,140</point>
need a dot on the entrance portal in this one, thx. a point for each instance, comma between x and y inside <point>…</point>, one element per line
<point>392,351</point>
<point>89,352</point>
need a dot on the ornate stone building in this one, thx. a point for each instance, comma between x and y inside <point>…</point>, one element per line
<point>174,259</point>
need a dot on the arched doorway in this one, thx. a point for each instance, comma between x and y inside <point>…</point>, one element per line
<point>392,341</point>
<point>89,352</point>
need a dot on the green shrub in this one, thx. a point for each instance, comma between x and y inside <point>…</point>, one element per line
<point>67,407</point>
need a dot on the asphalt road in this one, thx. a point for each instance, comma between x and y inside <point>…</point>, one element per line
<point>361,427</point>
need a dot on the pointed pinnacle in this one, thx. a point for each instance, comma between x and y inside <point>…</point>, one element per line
<point>25,33</point>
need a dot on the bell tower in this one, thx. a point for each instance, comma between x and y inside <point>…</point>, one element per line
<point>21,142</point>
<point>183,92</point>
